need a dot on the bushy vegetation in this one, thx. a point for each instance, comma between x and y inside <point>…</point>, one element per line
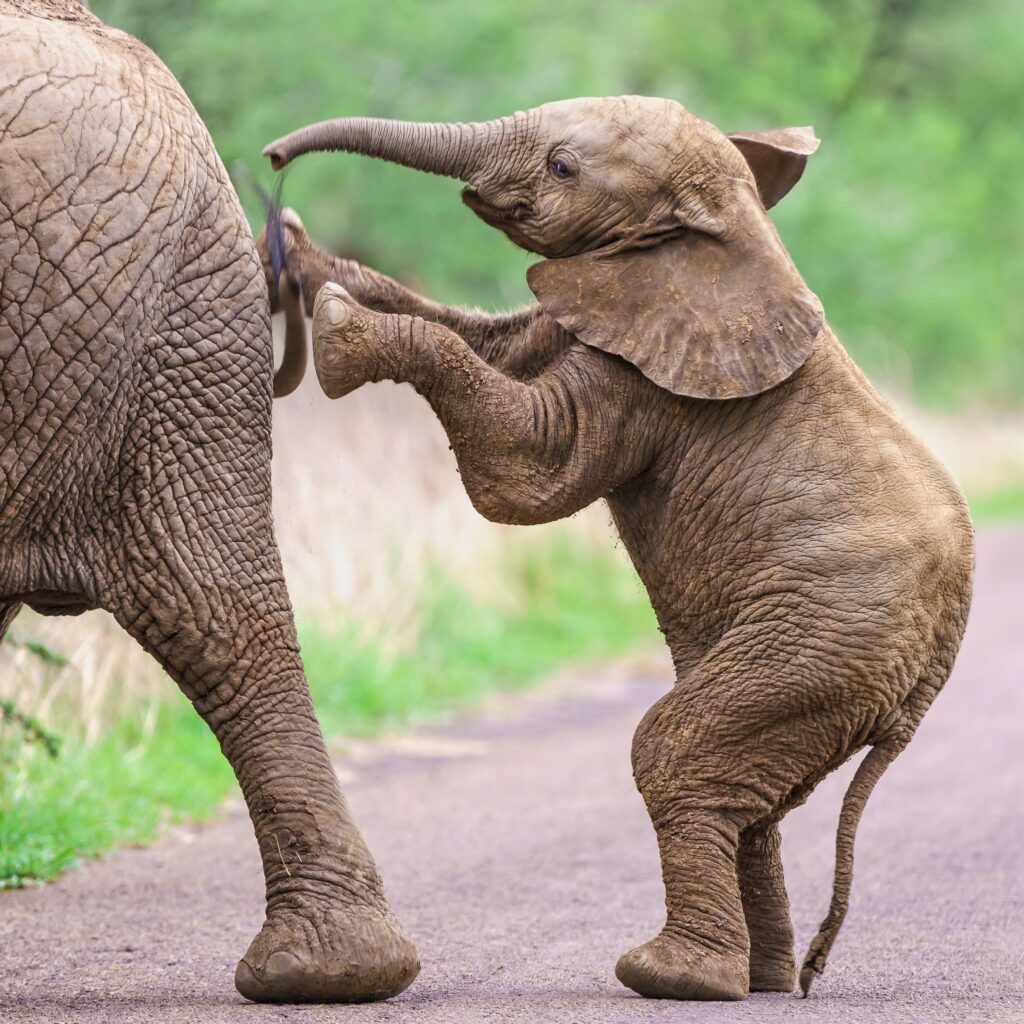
<point>909,223</point>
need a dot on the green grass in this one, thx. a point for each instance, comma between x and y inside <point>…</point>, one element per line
<point>568,602</point>
<point>123,789</point>
<point>1004,504</point>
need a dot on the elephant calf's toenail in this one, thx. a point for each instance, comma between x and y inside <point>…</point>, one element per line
<point>282,965</point>
<point>336,312</point>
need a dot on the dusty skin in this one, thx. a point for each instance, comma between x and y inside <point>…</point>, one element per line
<point>520,857</point>
<point>135,377</point>
<point>808,559</point>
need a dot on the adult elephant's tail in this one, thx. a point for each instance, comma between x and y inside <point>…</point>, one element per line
<point>289,374</point>
<point>284,289</point>
<point>869,771</point>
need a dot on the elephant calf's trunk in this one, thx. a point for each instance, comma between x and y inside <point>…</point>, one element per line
<point>455,150</point>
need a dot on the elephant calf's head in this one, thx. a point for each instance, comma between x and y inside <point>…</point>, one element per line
<point>653,223</point>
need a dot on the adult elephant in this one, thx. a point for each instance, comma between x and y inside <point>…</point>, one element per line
<point>135,370</point>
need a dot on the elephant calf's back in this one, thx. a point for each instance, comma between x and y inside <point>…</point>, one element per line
<point>885,541</point>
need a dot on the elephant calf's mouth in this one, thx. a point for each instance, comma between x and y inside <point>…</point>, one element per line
<point>493,212</point>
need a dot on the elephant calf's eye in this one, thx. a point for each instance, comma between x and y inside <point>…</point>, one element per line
<point>559,168</point>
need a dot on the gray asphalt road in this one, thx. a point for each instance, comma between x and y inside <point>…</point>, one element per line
<point>520,857</point>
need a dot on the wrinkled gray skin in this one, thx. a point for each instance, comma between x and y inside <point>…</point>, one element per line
<point>808,559</point>
<point>135,370</point>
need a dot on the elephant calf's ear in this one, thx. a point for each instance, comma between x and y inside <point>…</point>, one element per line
<point>699,315</point>
<point>776,158</point>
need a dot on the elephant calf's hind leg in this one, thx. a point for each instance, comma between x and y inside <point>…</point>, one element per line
<point>703,950</point>
<point>766,909</point>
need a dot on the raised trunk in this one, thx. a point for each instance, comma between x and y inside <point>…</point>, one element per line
<point>455,150</point>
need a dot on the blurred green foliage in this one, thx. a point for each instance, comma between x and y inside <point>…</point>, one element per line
<point>1003,504</point>
<point>909,223</point>
<point>567,603</point>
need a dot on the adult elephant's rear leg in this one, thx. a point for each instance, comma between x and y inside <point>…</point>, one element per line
<point>210,603</point>
<point>8,613</point>
<point>766,909</point>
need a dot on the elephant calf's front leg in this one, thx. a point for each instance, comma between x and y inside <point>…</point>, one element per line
<point>350,343</point>
<point>529,452</point>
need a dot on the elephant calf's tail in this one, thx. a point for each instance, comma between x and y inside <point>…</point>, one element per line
<point>869,771</point>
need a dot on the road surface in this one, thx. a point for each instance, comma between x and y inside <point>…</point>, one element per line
<point>519,855</point>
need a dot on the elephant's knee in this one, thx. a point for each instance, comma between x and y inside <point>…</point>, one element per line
<point>663,760</point>
<point>686,765</point>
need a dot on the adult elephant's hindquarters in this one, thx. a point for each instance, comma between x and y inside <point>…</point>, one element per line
<point>135,371</point>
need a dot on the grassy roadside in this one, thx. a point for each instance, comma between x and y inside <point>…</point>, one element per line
<point>120,790</point>
<point>565,602</point>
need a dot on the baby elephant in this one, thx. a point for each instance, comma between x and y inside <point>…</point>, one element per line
<point>808,559</point>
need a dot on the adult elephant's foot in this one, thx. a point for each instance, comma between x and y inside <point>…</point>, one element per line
<point>671,968</point>
<point>352,956</point>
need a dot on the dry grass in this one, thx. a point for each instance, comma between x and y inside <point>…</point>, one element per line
<point>984,450</point>
<point>368,504</point>
<point>105,671</point>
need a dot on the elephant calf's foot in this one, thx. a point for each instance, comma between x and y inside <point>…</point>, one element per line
<point>352,956</point>
<point>348,340</point>
<point>768,974</point>
<point>670,968</point>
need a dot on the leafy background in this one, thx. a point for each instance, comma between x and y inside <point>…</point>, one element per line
<point>909,223</point>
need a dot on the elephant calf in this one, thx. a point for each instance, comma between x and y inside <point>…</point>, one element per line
<point>808,559</point>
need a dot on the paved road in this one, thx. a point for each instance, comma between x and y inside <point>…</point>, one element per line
<point>519,855</point>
